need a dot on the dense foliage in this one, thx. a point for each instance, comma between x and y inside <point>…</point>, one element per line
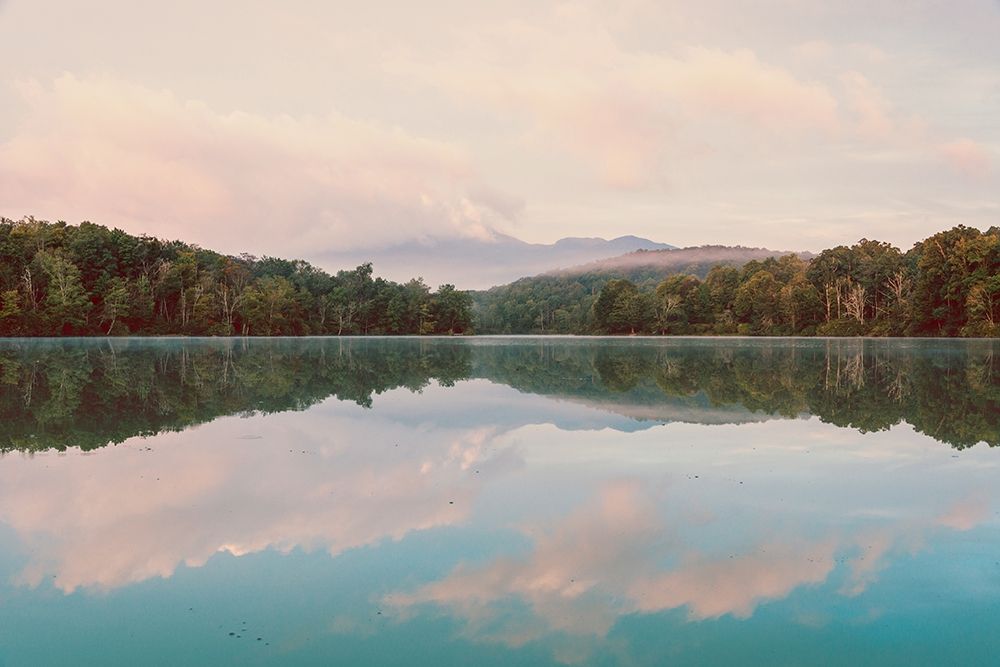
<point>59,279</point>
<point>946,285</point>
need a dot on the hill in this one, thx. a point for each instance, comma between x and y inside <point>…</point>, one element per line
<point>643,265</point>
<point>560,301</point>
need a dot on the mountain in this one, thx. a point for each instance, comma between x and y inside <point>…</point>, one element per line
<point>478,264</point>
<point>642,264</point>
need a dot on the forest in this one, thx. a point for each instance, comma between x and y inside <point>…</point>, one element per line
<point>88,280</point>
<point>946,285</point>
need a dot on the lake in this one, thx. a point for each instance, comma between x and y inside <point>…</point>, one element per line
<point>499,501</point>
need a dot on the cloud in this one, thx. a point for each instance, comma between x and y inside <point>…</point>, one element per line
<point>123,154</point>
<point>966,514</point>
<point>870,107</point>
<point>126,515</point>
<point>629,114</point>
<point>607,559</point>
<point>966,157</point>
<point>714,588</point>
<point>507,205</point>
<point>685,123</point>
<point>817,49</point>
<point>620,555</point>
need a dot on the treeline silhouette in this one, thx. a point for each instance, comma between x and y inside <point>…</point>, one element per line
<point>84,280</point>
<point>89,393</point>
<point>946,285</point>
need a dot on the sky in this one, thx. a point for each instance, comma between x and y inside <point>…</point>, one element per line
<point>307,127</point>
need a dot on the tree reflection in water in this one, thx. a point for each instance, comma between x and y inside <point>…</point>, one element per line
<point>91,393</point>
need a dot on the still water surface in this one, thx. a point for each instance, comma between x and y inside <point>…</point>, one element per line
<point>527,501</point>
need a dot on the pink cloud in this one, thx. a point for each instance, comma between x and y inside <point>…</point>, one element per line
<point>870,108</point>
<point>607,559</point>
<point>125,515</point>
<point>967,157</point>
<point>630,115</point>
<point>713,588</point>
<point>146,160</point>
<point>966,515</point>
<point>619,555</point>
<point>738,83</point>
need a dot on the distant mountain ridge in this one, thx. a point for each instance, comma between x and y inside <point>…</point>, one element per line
<point>642,264</point>
<point>482,263</point>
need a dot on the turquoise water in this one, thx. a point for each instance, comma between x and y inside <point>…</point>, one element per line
<point>508,501</point>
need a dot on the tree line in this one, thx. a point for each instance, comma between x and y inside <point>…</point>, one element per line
<point>946,285</point>
<point>58,279</point>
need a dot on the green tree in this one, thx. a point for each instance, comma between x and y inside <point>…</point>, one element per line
<point>451,310</point>
<point>66,302</point>
<point>678,304</point>
<point>800,304</point>
<point>757,303</point>
<point>115,304</point>
<point>10,312</point>
<point>621,308</point>
<point>983,305</point>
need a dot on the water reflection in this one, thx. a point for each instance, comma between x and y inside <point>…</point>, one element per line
<point>566,489</point>
<point>58,394</point>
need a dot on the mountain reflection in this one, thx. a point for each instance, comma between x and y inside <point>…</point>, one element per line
<point>87,394</point>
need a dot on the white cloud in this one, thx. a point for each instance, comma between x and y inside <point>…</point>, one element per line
<point>123,154</point>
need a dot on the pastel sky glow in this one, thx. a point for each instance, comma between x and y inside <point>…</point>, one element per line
<point>305,127</point>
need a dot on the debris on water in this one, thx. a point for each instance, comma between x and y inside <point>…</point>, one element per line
<point>232,634</point>
<point>451,502</point>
